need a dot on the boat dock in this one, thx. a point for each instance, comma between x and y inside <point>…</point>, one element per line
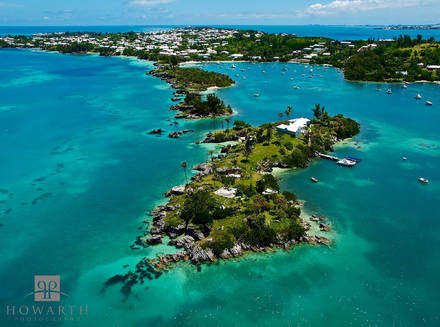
<point>326,156</point>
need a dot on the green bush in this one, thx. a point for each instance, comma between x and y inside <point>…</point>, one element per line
<point>268,181</point>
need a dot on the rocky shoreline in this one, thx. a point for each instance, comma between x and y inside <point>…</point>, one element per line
<point>186,238</point>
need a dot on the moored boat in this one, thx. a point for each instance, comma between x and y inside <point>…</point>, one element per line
<point>418,97</point>
<point>346,162</point>
<point>423,180</point>
<point>428,103</point>
<point>314,180</point>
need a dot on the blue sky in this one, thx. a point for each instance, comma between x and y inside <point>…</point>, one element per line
<point>252,12</point>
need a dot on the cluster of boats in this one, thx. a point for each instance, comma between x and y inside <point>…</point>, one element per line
<point>417,97</point>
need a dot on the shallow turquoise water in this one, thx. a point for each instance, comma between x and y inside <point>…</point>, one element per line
<point>73,128</point>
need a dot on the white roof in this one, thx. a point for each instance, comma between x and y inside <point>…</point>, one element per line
<point>295,125</point>
<point>226,192</point>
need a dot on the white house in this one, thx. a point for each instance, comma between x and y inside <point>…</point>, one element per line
<point>433,67</point>
<point>295,127</point>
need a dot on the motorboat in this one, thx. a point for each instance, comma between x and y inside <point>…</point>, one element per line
<point>314,180</point>
<point>428,103</point>
<point>418,97</point>
<point>346,162</point>
<point>423,180</point>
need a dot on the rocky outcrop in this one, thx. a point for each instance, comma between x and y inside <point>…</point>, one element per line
<point>156,131</point>
<point>197,254</point>
<point>183,242</point>
<point>176,190</point>
<point>154,240</point>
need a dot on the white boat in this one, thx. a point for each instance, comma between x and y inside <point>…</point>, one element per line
<point>389,91</point>
<point>264,72</point>
<point>233,66</point>
<point>404,158</point>
<point>347,163</point>
<point>404,86</point>
<point>256,95</point>
<point>291,78</point>
<point>418,97</point>
<point>314,180</point>
<point>423,180</point>
<point>428,103</point>
<point>244,77</point>
<point>296,87</point>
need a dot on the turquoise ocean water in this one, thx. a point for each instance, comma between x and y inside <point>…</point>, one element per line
<point>78,174</point>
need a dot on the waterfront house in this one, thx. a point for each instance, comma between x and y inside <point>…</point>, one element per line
<point>295,127</point>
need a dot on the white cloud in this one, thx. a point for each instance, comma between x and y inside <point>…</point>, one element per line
<point>352,6</point>
<point>149,3</point>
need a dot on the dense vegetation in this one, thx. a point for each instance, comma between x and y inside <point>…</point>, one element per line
<point>265,46</point>
<point>398,60</point>
<point>259,214</point>
<point>211,106</point>
<point>195,78</point>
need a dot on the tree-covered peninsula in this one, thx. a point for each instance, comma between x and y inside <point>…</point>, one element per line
<point>234,204</point>
<point>189,83</point>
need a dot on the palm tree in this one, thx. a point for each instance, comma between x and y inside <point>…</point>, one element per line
<point>227,120</point>
<point>317,111</point>
<point>185,166</point>
<point>211,153</point>
<point>288,111</point>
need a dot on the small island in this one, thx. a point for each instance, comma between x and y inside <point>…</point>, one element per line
<point>233,205</point>
<point>189,83</point>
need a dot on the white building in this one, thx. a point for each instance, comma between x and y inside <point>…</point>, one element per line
<point>433,67</point>
<point>295,127</point>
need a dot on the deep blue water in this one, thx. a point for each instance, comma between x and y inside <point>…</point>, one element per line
<point>78,174</point>
<point>330,31</point>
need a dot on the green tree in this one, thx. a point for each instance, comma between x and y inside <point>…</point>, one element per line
<point>288,111</point>
<point>198,208</point>
<point>227,120</point>
<point>185,166</point>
